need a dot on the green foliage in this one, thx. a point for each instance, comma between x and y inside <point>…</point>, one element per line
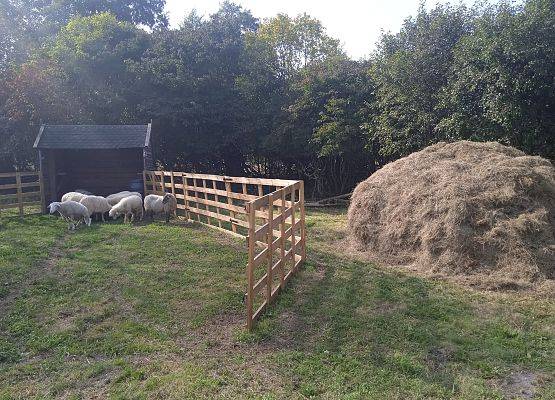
<point>230,94</point>
<point>502,83</point>
<point>411,70</point>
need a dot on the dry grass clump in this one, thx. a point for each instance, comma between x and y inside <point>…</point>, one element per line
<point>468,209</point>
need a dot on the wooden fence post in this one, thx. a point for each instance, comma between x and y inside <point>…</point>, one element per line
<point>42,194</point>
<point>282,242</point>
<point>303,228</point>
<point>184,180</point>
<point>230,201</point>
<point>293,240</point>
<point>172,183</point>
<point>19,194</point>
<point>270,239</point>
<point>250,266</point>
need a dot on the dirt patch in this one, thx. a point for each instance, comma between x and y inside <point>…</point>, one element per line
<point>519,385</point>
<point>481,211</point>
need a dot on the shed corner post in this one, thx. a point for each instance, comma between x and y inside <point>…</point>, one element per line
<point>144,183</point>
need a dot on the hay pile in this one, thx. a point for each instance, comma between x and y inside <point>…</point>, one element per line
<point>480,210</point>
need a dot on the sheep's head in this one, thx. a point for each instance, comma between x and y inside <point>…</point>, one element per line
<point>53,207</point>
<point>167,198</point>
<point>114,213</point>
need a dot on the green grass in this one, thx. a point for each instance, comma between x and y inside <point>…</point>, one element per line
<point>155,311</point>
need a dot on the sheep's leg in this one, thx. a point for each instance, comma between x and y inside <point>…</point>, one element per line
<point>167,217</point>
<point>103,220</point>
<point>125,218</point>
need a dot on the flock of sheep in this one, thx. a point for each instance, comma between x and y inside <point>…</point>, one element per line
<point>80,206</point>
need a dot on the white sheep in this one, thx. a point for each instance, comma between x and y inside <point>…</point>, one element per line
<point>72,196</point>
<point>71,211</point>
<point>83,191</point>
<point>132,205</point>
<point>115,198</point>
<point>96,205</point>
<point>155,204</point>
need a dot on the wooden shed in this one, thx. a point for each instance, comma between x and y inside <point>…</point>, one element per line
<point>102,159</point>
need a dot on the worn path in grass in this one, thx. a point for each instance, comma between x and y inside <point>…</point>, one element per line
<point>155,311</point>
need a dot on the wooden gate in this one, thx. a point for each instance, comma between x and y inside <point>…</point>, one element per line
<point>21,190</point>
<point>268,213</point>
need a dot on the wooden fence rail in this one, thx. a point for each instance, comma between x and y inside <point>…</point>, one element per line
<point>269,213</point>
<point>20,190</point>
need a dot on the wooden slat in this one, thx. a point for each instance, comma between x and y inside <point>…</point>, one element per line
<point>303,217</point>
<point>269,243</point>
<point>12,174</point>
<point>222,205</point>
<point>250,267</point>
<point>224,218</point>
<point>230,202</point>
<point>217,200</point>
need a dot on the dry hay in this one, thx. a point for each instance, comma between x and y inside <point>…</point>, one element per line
<point>466,209</point>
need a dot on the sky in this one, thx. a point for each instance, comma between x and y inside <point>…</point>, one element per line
<point>356,23</point>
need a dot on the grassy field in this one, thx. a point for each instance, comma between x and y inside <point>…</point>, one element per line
<point>155,311</point>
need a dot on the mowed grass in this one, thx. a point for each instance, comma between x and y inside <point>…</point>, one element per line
<point>155,311</point>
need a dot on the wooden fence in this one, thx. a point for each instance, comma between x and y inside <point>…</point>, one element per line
<point>269,213</point>
<point>21,190</point>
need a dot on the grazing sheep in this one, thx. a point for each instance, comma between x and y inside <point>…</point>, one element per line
<point>129,205</point>
<point>71,211</point>
<point>96,205</point>
<point>155,204</point>
<point>72,196</point>
<point>114,199</point>
<point>83,191</point>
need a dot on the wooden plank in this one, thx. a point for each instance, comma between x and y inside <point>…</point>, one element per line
<point>250,267</point>
<point>185,187</point>
<point>19,198</point>
<point>282,239</point>
<point>269,243</point>
<point>206,198</point>
<point>293,226</point>
<point>13,174</point>
<point>224,218</point>
<point>19,185</point>
<point>172,183</point>
<point>222,205</point>
<point>230,202</point>
<point>302,216</point>
<point>217,200</point>
<point>195,188</point>
<point>234,179</point>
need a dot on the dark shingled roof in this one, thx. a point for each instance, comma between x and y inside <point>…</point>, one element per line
<point>93,137</point>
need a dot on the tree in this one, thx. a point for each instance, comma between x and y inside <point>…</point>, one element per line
<point>502,86</point>
<point>95,53</point>
<point>25,25</point>
<point>191,91</point>
<point>32,95</point>
<point>411,70</point>
<point>296,42</point>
